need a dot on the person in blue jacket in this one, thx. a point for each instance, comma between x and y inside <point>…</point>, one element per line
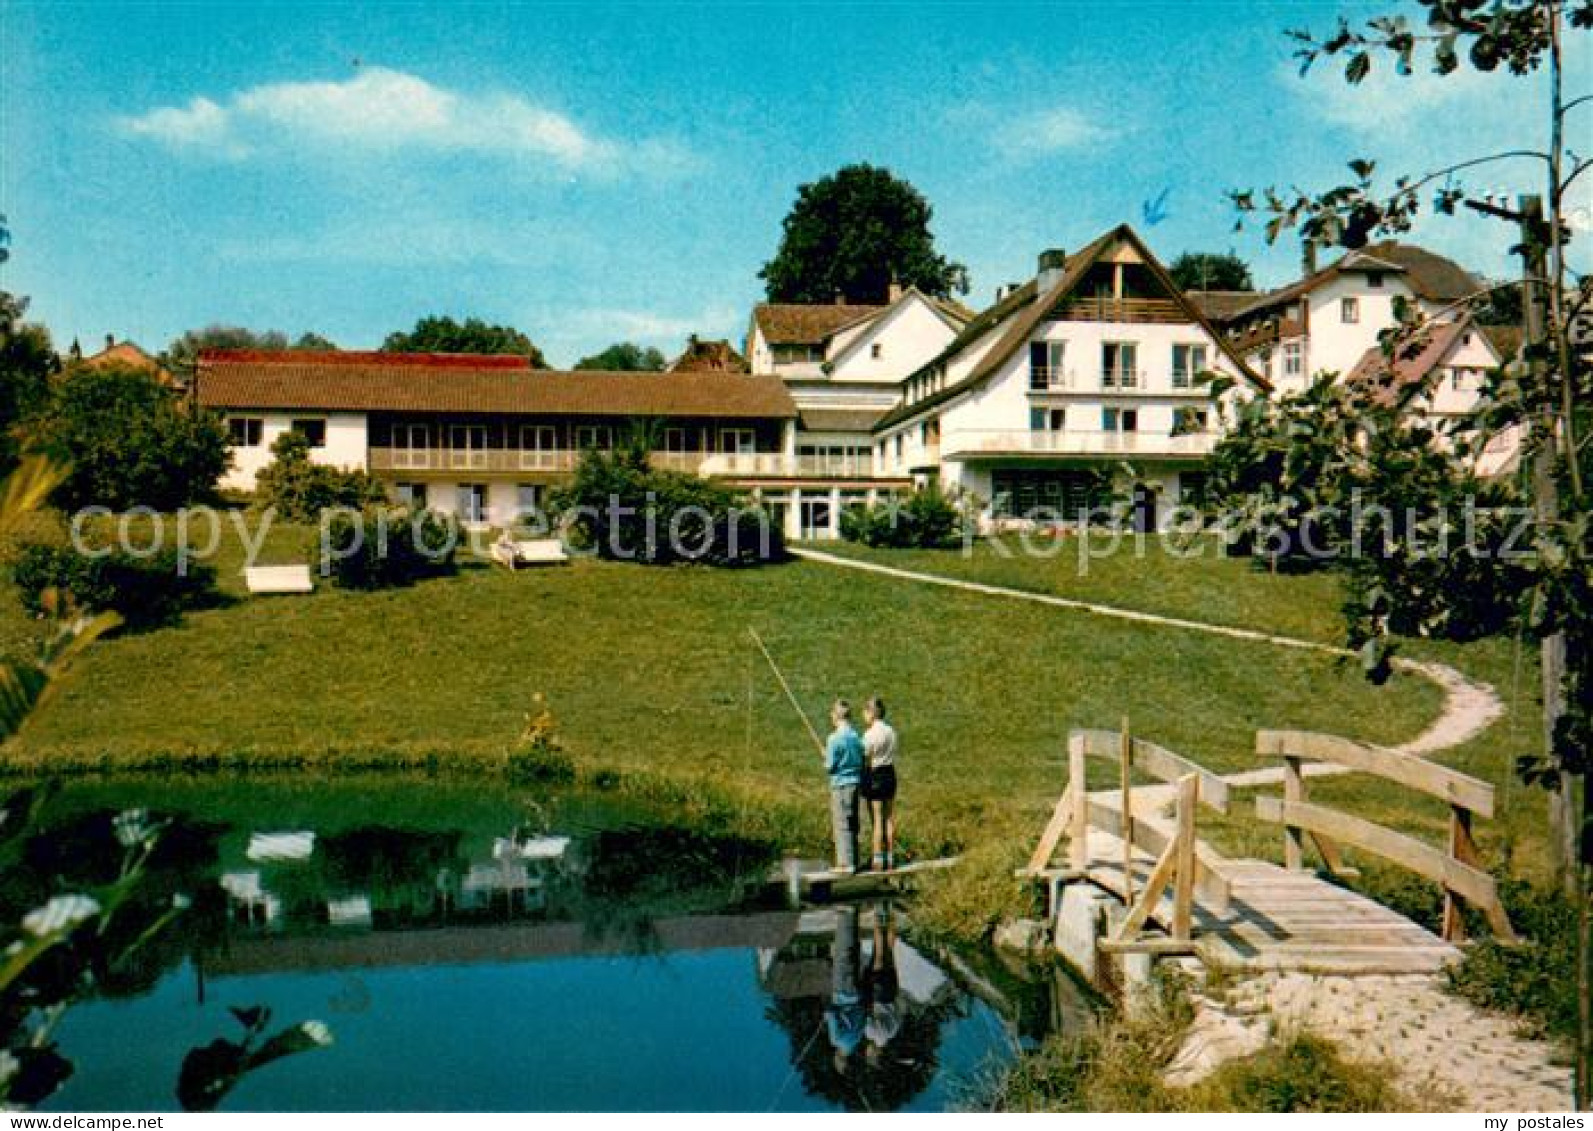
<point>843,759</point>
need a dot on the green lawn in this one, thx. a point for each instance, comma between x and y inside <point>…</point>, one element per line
<point>649,672</point>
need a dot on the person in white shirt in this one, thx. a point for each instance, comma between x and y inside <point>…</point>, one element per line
<point>879,782</point>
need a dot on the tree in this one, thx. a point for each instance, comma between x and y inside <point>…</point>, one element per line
<point>299,489</point>
<point>1211,271</point>
<point>624,357</point>
<point>441,334</point>
<point>855,233</point>
<point>27,364</point>
<point>1550,389</point>
<point>183,353</point>
<point>131,441</point>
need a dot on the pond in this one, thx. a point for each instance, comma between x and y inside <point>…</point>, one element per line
<point>480,948</point>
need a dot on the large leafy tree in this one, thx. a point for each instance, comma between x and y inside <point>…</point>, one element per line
<point>441,334</point>
<point>624,357</point>
<point>853,234</point>
<point>1548,390</point>
<point>1211,271</point>
<point>130,441</point>
<point>27,362</point>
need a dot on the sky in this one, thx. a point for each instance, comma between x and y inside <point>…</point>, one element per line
<point>592,173</point>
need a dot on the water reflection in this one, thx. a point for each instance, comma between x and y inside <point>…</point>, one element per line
<point>598,960</point>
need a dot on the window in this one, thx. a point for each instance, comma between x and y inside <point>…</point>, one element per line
<point>795,355</point>
<point>1374,280</point>
<point>538,445</point>
<point>1047,365</point>
<point>1293,359</point>
<point>1120,420</point>
<point>469,444</point>
<point>1056,495</point>
<point>1192,488</point>
<point>313,430</point>
<point>528,499</point>
<point>1190,421</point>
<point>1047,419</point>
<point>589,436</point>
<point>246,431</point>
<point>674,439</point>
<point>1187,362</point>
<point>876,351</point>
<point>1349,310</point>
<point>472,502</point>
<point>1119,365</point>
<point>816,514</point>
<point>738,441</point>
<point>411,495</point>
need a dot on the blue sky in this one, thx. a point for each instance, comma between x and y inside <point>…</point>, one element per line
<point>592,173</point>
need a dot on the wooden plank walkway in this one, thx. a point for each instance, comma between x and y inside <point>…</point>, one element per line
<point>1282,920</point>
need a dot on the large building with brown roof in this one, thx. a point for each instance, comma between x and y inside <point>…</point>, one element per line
<point>482,437</point>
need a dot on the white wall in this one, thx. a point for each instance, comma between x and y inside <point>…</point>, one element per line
<point>346,446</point>
<point>909,335</point>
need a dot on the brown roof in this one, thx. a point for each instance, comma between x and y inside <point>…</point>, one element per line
<point>1218,305</point>
<point>795,324</point>
<point>1506,340</point>
<point>1026,312</point>
<point>1385,376</point>
<point>1429,275</point>
<point>334,381</point>
<point>840,419</point>
<point>129,354</point>
<point>708,356</point>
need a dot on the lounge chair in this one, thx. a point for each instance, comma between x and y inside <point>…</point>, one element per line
<point>531,551</point>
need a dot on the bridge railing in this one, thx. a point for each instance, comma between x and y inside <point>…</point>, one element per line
<point>1177,859</point>
<point>1455,868</point>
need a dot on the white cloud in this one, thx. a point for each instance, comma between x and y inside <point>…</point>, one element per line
<point>652,327</point>
<point>1029,134</point>
<point>383,110</point>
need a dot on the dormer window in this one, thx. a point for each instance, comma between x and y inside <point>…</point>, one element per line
<point>1374,280</point>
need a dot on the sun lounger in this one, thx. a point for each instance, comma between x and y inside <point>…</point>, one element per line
<point>279,579</point>
<point>533,551</point>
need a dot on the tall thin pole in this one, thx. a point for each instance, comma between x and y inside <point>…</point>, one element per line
<point>786,687</point>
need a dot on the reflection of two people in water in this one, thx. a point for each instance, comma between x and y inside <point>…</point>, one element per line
<point>863,1010</point>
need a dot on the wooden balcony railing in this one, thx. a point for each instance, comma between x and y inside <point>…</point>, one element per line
<point>975,442</point>
<point>1108,309</point>
<point>510,459</point>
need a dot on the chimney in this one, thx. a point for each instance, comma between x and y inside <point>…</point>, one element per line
<point>110,340</point>
<point>1052,262</point>
<point>840,299</point>
<point>894,292</point>
<point>1308,256</point>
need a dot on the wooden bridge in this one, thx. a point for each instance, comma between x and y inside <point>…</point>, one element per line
<point>1140,843</point>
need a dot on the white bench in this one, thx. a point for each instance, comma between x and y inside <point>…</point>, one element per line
<point>532,551</point>
<point>279,579</point>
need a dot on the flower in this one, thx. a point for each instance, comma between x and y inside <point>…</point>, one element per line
<point>317,1031</point>
<point>59,915</point>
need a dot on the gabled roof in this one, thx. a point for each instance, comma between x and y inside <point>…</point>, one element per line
<point>1022,312</point>
<point>1218,305</point>
<point>348,381</point>
<point>840,419</point>
<point>1429,275</point>
<point>703,355</point>
<point>1386,376</point>
<point>954,315</point>
<point>803,324</point>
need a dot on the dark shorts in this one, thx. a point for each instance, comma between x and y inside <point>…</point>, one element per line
<point>880,785</point>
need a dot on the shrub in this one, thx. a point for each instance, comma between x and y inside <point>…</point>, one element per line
<point>382,547</point>
<point>927,520</point>
<point>301,489</point>
<point>147,590</point>
<point>1535,979</point>
<point>621,509</point>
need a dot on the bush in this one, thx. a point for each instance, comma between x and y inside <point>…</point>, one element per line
<point>382,547</point>
<point>621,509</point>
<point>301,489</point>
<point>1536,979</point>
<point>928,520</point>
<point>147,591</point>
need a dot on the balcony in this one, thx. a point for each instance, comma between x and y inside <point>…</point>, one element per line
<point>981,443</point>
<point>1044,379</point>
<point>1108,309</point>
<point>1122,378</point>
<point>511,460</point>
<point>778,465</point>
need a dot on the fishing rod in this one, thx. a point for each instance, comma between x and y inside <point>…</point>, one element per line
<point>786,687</point>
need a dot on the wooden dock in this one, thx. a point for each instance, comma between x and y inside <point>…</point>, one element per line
<point>816,882</point>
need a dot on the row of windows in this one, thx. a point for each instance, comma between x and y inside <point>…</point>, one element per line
<point>470,499</point>
<point>249,431</point>
<point>1048,367</point>
<point>1118,419</point>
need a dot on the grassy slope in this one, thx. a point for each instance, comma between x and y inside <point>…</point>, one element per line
<point>648,670</point>
<point>1145,575</point>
